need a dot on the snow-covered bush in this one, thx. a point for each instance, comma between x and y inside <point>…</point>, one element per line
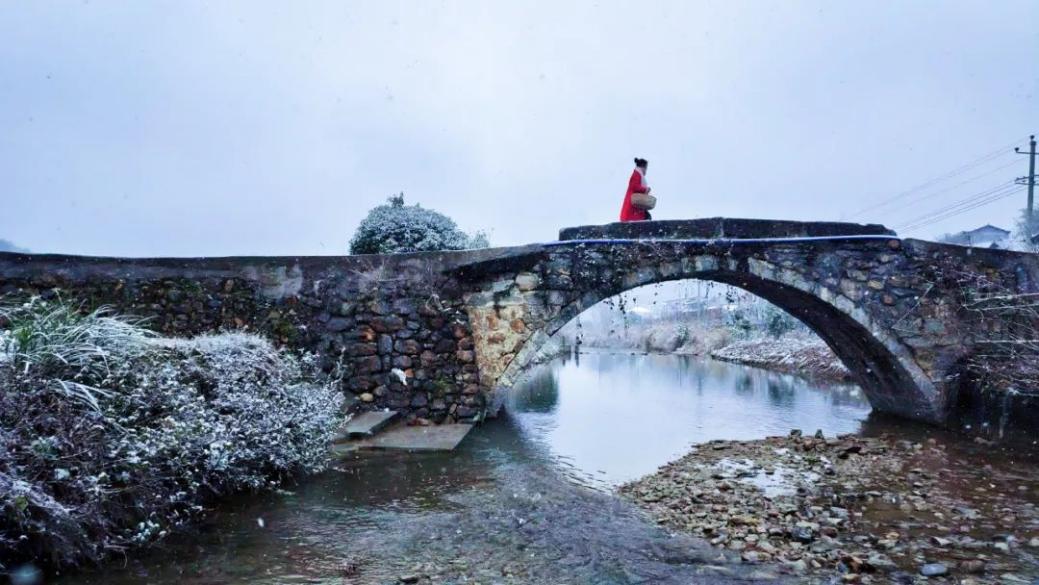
<point>396,228</point>
<point>111,437</point>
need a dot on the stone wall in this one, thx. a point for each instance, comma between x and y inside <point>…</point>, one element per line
<point>394,327</point>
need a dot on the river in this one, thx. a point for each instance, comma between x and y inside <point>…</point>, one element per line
<point>527,498</point>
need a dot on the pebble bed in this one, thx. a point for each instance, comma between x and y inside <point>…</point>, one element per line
<point>853,509</point>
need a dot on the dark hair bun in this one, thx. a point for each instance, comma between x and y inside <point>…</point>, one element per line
<point>641,162</point>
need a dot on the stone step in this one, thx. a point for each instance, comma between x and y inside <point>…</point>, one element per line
<point>365,425</point>
<point>415,438</point>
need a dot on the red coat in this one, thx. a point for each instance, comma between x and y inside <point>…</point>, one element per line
<point>628,211</point>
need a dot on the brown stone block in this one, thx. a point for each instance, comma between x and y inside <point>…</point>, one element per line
<point>360,383</point>
<point>364,349</point>
<point>408,347</point>
<point>369,365</point>
<point>387,324</point>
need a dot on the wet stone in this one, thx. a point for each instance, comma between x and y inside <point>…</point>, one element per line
<point>934,570</point>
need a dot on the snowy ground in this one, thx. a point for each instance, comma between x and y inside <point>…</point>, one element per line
<point>795,353</point>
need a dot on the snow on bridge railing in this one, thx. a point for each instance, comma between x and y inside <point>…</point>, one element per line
<point>718,241</point>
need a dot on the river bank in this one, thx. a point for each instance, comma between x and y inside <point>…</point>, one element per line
<point>870,509</point>
<point>799,354</point>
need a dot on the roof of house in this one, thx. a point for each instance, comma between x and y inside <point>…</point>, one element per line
<point>987,227</point>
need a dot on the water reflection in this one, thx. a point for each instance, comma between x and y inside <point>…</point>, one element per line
<point>615,417</point>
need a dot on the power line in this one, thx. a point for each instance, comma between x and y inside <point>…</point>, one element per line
<point>961,183</point>
<point>963,206</point>
<point>954,213</point>
<point>939,213</point>
<point>934,181</point>
<point>968,166</point>
<point>976,205</point>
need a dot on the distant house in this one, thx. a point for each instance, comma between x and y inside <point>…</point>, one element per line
<point>986,236</point>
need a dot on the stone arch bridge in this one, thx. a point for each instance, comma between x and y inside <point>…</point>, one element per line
<point>440,334</point>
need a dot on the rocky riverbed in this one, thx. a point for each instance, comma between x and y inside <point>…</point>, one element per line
<point>854,509</point>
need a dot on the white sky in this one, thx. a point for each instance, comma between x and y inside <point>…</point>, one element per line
<point>190,128</point>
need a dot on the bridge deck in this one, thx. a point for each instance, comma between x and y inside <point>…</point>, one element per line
<point>720,227</point>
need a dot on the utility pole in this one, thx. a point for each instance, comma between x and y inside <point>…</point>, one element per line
<point>1030,179</point>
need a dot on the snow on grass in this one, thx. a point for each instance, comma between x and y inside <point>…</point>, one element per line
<point>111,437</point>
<point>792,353</point>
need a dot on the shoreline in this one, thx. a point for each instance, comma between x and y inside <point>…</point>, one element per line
<point>808,361</point>
<point>807,357</point>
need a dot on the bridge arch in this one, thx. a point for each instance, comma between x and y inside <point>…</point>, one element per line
<point>535,304</point>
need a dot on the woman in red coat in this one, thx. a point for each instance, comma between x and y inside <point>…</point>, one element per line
<point>636,184</point>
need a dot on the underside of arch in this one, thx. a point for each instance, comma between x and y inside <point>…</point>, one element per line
<point>883,368</point>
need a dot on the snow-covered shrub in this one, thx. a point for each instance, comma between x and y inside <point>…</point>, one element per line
<point>111,437</point>
<point>396,228</point>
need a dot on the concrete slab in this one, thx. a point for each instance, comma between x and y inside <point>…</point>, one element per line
<point>416,438</point>
<point>365,424</point>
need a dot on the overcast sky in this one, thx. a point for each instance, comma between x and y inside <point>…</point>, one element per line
<point>231,128</point>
